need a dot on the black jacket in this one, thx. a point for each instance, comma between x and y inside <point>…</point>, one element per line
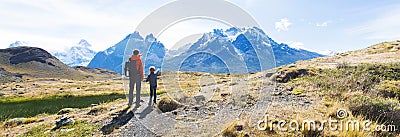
<point>152,79</point>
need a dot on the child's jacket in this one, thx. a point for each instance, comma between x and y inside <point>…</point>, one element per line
<point>152,79</point>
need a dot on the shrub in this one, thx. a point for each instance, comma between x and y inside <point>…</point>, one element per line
<point>343,65</point>
<point>389,89</point>
<point>298,91</point>
<point>19,121</point>
<point>66,110</point>
<point>284,75</point>
<point>167,104</point>
<point>311,133</point>
<point>378,109</point>
<point>96,110</point>
<point>14,122</point>
<point>234,129</point>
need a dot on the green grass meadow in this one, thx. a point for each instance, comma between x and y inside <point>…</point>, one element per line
<point>82,129</point>
<point>29,107</point>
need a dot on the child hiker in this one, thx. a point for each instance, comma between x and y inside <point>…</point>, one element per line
<point>152,79</point>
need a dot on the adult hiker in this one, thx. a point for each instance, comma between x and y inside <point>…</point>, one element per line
<point>134,67</point>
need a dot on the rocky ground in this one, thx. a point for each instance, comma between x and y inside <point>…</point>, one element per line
<point>202,116</point>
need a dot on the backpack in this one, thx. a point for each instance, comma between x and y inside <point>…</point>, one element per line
<point>132,69</point>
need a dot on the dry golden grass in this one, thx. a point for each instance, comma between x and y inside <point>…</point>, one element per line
<point>39,88</point>
<point>386,52</point>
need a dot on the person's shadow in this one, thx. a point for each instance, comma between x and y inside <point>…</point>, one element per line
<point>146,111</point>
<point>122,119</point>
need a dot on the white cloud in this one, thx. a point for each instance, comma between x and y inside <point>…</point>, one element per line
<point>296,45</point>
<point>54,24</point>
<point>282,25</point>
<point>179,32</point>
<point>322,24</point>
<point>58,24</point>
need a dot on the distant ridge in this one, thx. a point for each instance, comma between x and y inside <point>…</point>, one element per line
<point>32,62</point>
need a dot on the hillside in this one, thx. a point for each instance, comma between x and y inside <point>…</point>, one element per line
<point>363,84</point>
<point>386,52</point>
<point>31,62</point>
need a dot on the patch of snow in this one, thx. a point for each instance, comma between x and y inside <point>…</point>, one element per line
<point>296,45</point>
<point>21,43</point>
<point>266,44</point>
<point>328,52</point>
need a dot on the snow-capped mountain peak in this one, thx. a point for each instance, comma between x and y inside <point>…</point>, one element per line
<point>78,55</point>
<point>135,35</point>
<point>20,43</point>
<point>83,43</point>
<point>150,38</point>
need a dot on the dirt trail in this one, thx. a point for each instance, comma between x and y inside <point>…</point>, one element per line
<point>212,117</point>
<point>147,121</point>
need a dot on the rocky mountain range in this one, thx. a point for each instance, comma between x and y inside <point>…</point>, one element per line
<point>235,50</point>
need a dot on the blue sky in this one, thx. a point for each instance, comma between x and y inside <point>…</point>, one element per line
<point>339,25</point>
